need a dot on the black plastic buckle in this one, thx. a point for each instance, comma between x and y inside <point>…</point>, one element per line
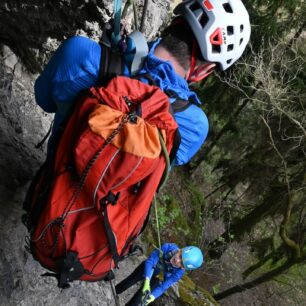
<point>110,198</point>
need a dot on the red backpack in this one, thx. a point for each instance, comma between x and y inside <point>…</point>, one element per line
<point>91,198</point>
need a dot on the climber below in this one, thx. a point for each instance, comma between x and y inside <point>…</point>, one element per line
<point>171,261</point>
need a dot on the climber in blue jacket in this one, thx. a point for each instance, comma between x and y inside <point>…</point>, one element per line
<point>171,261</point>
<point>205,35</point>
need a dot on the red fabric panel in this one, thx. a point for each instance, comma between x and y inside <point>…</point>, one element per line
<point>75,197</point>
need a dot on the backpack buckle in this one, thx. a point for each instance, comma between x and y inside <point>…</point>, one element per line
<point>110,198</point>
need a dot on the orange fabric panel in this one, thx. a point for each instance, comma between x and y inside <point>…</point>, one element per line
<point>140,138</point>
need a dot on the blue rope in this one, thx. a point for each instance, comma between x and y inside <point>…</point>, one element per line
<point>117,18</point>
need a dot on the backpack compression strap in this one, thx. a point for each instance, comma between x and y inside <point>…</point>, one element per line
<point>107,200</point>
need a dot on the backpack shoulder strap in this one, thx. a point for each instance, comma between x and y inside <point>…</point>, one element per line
<point>175,146</point>
<point>140,49</point>
<point>179,105</point>
<point>111,64</point>
<point>132,51</point>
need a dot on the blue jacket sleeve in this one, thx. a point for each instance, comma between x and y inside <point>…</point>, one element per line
<point>73,67</point>
<point>151,263</point>
<point>193,127</point>
<point>163,286</point>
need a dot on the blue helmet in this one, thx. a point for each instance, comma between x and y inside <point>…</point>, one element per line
<point>192,257</point>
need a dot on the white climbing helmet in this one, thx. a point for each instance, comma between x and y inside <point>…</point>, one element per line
<point>221,28</point>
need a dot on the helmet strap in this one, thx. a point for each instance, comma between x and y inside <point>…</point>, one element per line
<point>193,60</point>
<point>202,72</point>
<point>197,74</point>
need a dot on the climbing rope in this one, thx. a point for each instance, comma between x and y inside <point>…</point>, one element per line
<point>116,37</point>
<point>124,12</point>
<point>143,17</point>
<point>157,223</point>
<point>162,184</point>
<point>135,15</point>
<point>165,176</point>
<point>144,12</point>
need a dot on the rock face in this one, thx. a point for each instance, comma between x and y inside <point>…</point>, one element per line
<point>22,123</point>
<point>32,28</point>
<point>30,31</point>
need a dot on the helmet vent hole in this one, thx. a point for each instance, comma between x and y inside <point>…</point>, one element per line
<point>230,47</point>
<point>240,42</point>
<point>230,30</point>
<point>241,28</point>
<point>196,8</point>
<point>228,8</point>
<point>203,20</point>
<point>216,49</point>
<point>229,61</point>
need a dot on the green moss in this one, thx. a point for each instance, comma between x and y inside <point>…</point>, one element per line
<point>170,217</point>
<point>197,201</point>
<point>194,295</point>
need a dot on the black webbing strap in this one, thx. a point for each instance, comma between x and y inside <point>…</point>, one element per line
<point>70,269</point>
<point>112,199</point>
<point>104,62</point>
<point>145,76</point>
<point>175,146</point>
<point>111,64</point>
<point>111,237</point>
<point>179,105</point>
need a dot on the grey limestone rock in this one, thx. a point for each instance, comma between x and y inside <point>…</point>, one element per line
<point>30,31</point>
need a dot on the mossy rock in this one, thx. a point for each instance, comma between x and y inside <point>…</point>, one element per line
<point>194,295</point>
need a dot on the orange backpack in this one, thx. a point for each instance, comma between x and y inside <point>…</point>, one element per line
<point>91,198</point>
